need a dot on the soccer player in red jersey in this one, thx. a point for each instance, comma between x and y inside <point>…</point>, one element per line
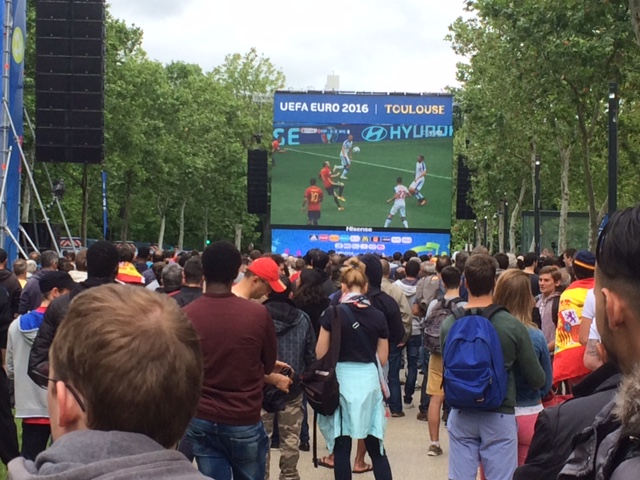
<point>333,189</point>
<point>313,197</point>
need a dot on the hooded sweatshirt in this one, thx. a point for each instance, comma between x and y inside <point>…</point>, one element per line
<point>10,282</point>
<point>31,297</point>
<point>545,306</point>
<point>92,454</point>
<point>31,400</point>
<point>382,301</point>
<point>409,288</point>
<point>296,338</point>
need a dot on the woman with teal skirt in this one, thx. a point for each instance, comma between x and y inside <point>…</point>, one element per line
<point>361,414</point>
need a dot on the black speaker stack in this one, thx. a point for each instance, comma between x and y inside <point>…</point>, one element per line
<point>257,181</point>
<point>70,68</point>
<point>464,211</point>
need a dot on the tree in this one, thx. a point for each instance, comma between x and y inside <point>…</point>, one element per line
<point>634,7</point>
<point>176,139</point>
<point>551,62</point>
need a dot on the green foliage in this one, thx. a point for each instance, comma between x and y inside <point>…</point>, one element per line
<point>176,139</point>
<point>536,82</point>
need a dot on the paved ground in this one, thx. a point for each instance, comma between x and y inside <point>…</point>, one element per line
<point>407,441</point>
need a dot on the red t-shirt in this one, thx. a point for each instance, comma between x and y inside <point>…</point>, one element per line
<point>325,174</point>
<point>238,340</point>
<point>314,197</point>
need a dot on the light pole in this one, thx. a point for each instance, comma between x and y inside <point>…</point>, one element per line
<point>536,207</point>
<point>613,148</point>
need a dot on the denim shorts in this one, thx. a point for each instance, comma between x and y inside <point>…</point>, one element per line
<point>487,437</point>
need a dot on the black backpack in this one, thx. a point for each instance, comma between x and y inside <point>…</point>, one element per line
<point>319,379</point>
<point>432,324</point>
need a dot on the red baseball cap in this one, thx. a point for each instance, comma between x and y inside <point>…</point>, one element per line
<point>266,269</point>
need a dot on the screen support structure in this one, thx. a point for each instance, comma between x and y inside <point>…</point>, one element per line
<point>4,129</point>
<point>56,199</point>
<point>27,170</point>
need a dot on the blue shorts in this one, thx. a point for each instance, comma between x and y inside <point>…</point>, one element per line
<point>487,437</point>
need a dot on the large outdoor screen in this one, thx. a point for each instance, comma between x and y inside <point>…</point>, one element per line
<point>351,162</point>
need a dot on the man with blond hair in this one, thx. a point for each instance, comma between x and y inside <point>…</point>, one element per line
<point>122,383</point>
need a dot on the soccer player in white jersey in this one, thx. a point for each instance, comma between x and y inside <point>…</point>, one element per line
<point>400,193</point>
<point>418,183</point>
<point>345,157</point>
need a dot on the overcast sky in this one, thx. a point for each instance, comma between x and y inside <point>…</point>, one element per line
<point>373,45</point>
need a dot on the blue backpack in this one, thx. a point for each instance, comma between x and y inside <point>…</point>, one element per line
<point>475,376</point>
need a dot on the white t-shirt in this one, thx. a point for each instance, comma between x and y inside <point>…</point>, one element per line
<point>401,192</point>
<point>589,311</point>
<point>346,148</point>
<point>421,167</point>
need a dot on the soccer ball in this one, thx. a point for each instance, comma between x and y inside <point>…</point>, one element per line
<point>356,149</point>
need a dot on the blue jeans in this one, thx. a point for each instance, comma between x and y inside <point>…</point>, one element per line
<point>395,399</point>
<point>424,397</point>
<point>223,450</point>
<point>413,360</point>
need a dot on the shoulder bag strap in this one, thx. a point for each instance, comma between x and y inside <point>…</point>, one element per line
<point>459,312</point>
<point>336,335</point>
<point>490,311</point>
<point>455,301</point>
<point>359,331</point>
<point>555,307</point>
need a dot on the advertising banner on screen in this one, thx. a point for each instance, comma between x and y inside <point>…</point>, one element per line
<point>297,242</point>
<point>363,109</point>
<point>295,135</point>
<point>382,162</point>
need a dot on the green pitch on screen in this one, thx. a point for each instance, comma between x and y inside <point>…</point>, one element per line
<point>370,183</point>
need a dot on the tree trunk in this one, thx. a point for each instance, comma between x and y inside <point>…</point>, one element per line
<point>126,215</point>
<point>565,157</point>
<point>603,211</point>
<point>634,7</point>
<point>501,222</point>
<point>181,234</point>
<point>513,225</point>
<point>163,224</point>
<point>206,227</point>
<point>588,180</point>
<point>490,226</point>
<point>84,185</point>
<point>162,212</point>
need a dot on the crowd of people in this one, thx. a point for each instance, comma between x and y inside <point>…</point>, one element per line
<point>135,364</point>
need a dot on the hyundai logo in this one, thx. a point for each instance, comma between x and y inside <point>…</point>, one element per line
<point>374,134</point>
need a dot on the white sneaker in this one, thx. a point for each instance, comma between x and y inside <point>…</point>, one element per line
<point>434,450</point>
<point>408,406</point>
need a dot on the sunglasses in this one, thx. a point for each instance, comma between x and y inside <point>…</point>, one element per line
<point>266,284</point>
<point>42,379</point>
